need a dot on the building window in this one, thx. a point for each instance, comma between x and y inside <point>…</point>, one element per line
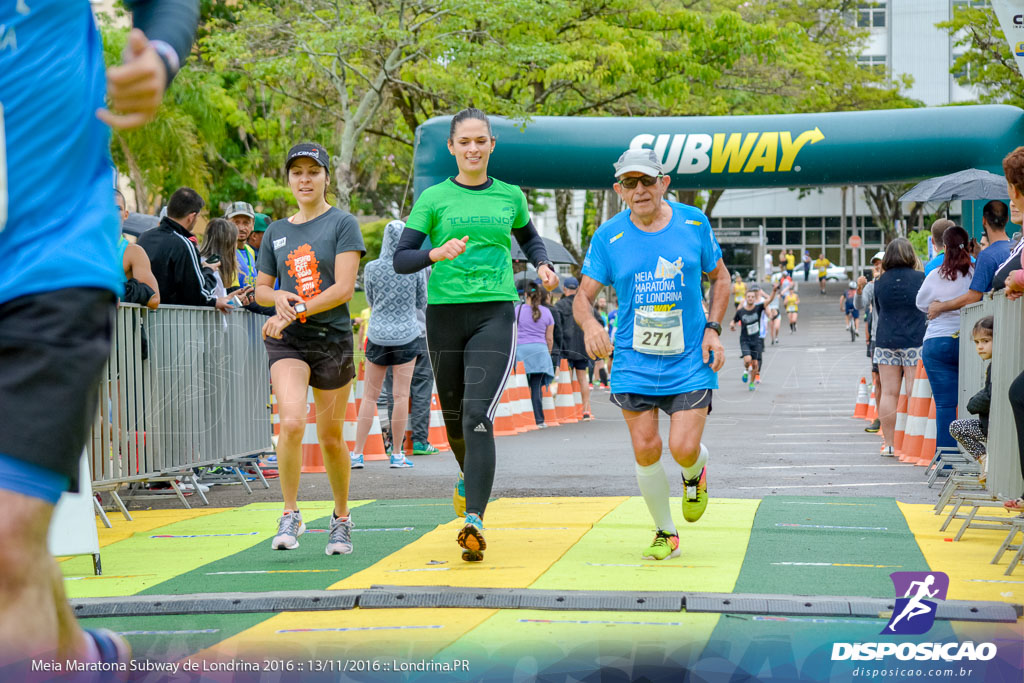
<point>833,237</point>
<point>873,236</point>
<point>794,222</point>
<point>815,221</point>
<point>774,237</point>
<point>773,222</point>
<point>732,222</point>
<point>973,4</point>
<point>876,63</point>
<point>965,74</point>
<point>813,237</point>
<point>794,238</point>
<point>871,14</point>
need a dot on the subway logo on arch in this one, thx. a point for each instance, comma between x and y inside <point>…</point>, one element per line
<point>767,152</point>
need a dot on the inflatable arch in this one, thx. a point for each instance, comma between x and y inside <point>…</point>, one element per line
<point>790,150</point>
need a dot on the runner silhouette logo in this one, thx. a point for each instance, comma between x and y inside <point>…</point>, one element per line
<point>914,612</point>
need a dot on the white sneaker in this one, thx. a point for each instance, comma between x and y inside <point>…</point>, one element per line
<point>340,541</point>
<point>887,452</point>
<point>187,486</point>
<point>289,528</point>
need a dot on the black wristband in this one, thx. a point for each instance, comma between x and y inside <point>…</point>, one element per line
<point>714,326</point>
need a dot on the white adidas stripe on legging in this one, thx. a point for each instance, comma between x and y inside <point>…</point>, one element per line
<point>508,369</point>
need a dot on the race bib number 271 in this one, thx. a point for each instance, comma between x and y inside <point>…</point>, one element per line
<point>3,172</point>
<point>658,332</point>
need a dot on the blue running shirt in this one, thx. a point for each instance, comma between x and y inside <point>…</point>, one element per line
<point>62,228</point>
<point>657,271</point>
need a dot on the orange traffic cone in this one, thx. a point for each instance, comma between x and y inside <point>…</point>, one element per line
<point>860,408</point>
<point>917,415</point>
<point>348,430</point>
<point>577,399</point>
<point>565,407</point>
<point>312,457</point>
<point>505,418</point>
<point>374,447</point>
<point>550,417</point>
<point>927,452</point>
<point>872,412</point>
<point>438,432</point>
<point>901,417</point>
<point>524,405</point>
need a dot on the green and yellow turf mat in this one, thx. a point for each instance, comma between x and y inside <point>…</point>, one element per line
<point>788,545</point>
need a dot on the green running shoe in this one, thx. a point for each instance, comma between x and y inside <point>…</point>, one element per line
<point>459,497</point>
<point>423,448</point>
<point>665,545</point>
<point>695,496</point>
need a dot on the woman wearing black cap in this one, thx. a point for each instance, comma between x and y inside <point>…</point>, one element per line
<point>470,314</point>
<point>315,256</point>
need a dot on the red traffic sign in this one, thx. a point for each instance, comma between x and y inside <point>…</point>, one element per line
<point>855,241</point>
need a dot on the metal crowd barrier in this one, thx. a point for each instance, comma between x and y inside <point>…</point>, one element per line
<point>184,387</point>
<point>1004,475</point>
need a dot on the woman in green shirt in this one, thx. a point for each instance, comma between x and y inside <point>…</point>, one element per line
<point>470,316</point>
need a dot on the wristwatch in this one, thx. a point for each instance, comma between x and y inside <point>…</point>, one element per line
<point>714,326</point>
<point>300,309</point>
<point>549,264</point>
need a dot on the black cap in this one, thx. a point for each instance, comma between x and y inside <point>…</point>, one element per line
<point>309,149</point>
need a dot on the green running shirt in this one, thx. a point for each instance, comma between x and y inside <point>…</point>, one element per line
<point>484,271</point>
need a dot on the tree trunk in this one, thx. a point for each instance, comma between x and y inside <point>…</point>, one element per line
<point>713,197</point>
<point>563,199</point>
<point>135,173</point>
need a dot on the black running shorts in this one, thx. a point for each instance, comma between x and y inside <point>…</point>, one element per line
<point>752,348</point>
<point>330,361</point>
<point>641,403</point>
<point>53,348</point>
<point>378,354</point>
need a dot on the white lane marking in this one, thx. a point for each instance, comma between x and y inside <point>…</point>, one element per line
<point>793,467</point>
<point>831,486</point>
<point>816,433</point>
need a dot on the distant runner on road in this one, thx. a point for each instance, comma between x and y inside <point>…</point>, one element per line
<point>667,352</point>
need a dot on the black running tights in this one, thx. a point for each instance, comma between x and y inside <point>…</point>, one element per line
<point>472,348</point>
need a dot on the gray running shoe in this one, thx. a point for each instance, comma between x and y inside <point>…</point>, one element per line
<point>289,528</point>
<point>340,542</point>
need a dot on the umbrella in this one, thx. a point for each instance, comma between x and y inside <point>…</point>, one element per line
<point>138,223</point>
<point>556,252</point>
<point>970,184</point>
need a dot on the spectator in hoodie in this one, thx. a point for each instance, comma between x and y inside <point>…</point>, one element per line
<point>393,340</point>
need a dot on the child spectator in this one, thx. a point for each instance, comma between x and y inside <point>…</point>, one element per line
<point>972,434</point>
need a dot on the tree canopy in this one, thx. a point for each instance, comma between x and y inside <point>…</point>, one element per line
<point>359,76</point>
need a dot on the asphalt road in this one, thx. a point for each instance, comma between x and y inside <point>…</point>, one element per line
<point>793,435</point>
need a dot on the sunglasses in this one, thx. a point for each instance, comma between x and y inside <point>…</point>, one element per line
<point>630,183</point>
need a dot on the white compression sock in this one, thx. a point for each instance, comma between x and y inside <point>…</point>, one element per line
<point>654,487</point>
<point>694,469</point>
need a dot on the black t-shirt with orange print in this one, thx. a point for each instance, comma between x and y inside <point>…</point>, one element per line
<point>301,256</point>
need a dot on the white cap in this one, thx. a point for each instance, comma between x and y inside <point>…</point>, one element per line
<point>878,257</point>
<point>639,160</point>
